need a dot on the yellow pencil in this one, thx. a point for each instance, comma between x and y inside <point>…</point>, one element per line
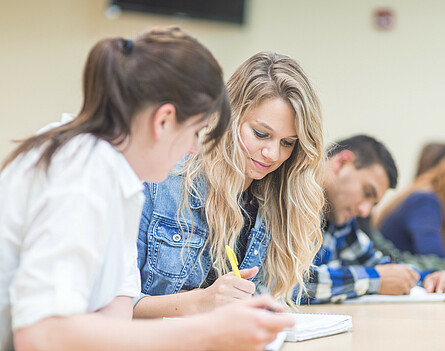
<point>233,261</point>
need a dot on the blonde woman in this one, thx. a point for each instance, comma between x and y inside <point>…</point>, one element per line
<point>256,191</point>
<point>415,220</point>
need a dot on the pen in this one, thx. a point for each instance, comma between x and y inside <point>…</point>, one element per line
<point>233,261</point>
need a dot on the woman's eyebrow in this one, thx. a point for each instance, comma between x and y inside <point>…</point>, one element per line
<point>265,125</point>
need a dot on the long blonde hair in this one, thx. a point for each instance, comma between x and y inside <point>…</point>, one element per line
<point>432,180</point>
<point>290,198</point>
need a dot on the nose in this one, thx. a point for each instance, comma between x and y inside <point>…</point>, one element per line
<point>364,208</point>
<point>271,151</point>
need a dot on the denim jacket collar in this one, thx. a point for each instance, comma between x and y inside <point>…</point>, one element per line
<point>197,200</point>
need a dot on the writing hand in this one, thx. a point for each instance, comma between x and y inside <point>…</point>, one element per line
<point>396,279</point>
<point>247,325</point>
<point>227,289</point>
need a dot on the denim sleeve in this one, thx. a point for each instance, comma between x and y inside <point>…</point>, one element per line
<point>139,298</point>
<point>147,212</point>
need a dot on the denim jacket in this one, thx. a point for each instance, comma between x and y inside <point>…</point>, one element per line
<point>166,268</point>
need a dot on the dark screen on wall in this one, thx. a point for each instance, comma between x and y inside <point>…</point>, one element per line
<point>218,10</point>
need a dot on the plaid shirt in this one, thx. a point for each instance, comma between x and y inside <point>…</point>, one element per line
<point>344,266</point>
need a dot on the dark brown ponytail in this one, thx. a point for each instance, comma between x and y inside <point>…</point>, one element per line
<point>122,77</point>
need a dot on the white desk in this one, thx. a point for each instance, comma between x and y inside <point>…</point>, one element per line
<point>381,327</point>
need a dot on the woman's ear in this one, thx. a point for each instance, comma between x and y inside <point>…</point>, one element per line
<point>342,158</point>
<point>163,121</point>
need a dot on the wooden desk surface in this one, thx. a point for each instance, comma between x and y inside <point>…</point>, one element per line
<point>376,327</point>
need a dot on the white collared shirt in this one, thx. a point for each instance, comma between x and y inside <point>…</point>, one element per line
<point>67,238</point>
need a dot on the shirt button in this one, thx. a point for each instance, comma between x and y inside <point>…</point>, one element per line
<point>256,252</point>
<point>176,237</point>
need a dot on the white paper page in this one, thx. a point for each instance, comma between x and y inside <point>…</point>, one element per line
<point>417,294</point>
<point>315,325</point>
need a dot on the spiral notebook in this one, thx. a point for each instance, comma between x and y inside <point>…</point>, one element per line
<point>315,325</point>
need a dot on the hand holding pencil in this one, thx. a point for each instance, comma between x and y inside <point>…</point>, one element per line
<point>230,287</point>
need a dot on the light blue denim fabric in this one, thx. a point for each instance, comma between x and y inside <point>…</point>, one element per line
<point>166,268</point>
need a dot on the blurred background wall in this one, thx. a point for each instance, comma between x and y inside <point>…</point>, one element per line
<point>387,83</point>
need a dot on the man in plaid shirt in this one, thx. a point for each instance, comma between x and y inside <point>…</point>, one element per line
<point>359,171</point>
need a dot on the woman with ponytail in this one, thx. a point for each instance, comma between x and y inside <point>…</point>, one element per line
<point>71,199</point>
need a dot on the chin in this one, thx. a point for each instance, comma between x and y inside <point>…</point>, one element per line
<point>340,221</point>
<point>257,176</point>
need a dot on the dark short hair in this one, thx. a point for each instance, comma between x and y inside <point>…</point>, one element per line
<point>368,151</point>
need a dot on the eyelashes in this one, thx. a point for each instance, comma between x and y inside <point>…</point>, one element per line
<point>261,135</point>
<point>287,143</point>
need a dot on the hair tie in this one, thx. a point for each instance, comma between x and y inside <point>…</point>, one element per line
<point>128,46</point>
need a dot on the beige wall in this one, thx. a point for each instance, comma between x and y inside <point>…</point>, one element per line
<point>388,84</point>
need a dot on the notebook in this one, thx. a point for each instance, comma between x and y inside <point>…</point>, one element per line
<point>273,346</point>
<point>417,294</point>
<point>315,325</point>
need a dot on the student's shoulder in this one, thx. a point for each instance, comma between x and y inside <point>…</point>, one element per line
<point>87,161</point>
<point>422,198</point>
<point>87,149</point>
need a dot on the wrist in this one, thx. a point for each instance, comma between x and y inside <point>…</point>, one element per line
<point>204,327</point>
<point>201,300</point>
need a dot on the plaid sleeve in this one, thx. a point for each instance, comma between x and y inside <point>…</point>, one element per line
<point>344,267</point>
<point>360,250</point>
<point>330,284</point>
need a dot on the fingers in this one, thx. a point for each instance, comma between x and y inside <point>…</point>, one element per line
<point>435,282</point>
<point>239,294</point>
<point>440,284</point>
<point>429,284</point>
<point>414,276</point>
<point>278,321</point>
<point>229,281</point>
<point>248,273</point>
<point>247,287</point>
<point>242,285</point>
<point>266,302</point>
<point>260,326</point>
<point>230,286</point>
<point>272,321</point>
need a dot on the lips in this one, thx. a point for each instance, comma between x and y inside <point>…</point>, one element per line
<point>261,166</point>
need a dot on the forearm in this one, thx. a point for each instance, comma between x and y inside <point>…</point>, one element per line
<point>121,307</point>
<point>174,305</point>
<point>97,332</point>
